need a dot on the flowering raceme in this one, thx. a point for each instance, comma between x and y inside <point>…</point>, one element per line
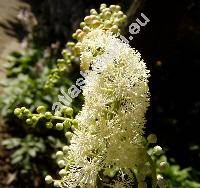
<point>111,123</point>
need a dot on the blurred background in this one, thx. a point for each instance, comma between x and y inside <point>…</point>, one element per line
<point>32,36</point>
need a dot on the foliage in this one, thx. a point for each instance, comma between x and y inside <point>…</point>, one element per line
<point>30,157</point>
<point>28,149</point>
<point>26,75</point>
<point>177,177</point>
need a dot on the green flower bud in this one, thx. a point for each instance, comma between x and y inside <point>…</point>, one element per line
<point>59,154</point>
<point>116,21</point>
<point>48,115</point>
<point>87,19</point>
<point>65,149</point>
<point>93,17</point>
<point>114,29</point>
<point>93,12</point>
<point>78,31</point>
<point>112,7</point>
<point>80,36</point>
<point>105,10</point>
<point>34,119</point>
<point>20,116</point>
<point>120,14</point>
<point>102,6</point>
<point>75,123</point>
<point>96,23</point>
<point>17,111</point>
<point>70,44</point>
<point>61,163</point>
<point>68,111</point>
<point>26,112</point>
<point>28,121</point>
<point>86,29</point>
<point>152,139</point>
<point>59,126</point>
<point>68,135</point>
<point>108,24</point>
<point>107,14</point>
<point>118,8</point>
<point>40,109</point>
<point>48,179</point>
<point>23,108</point>
<point>74,36</point>
<point>123,19</point>
<point>82,24</point>
<point>57,184</point>
<point>63,173</point>
<point>67,123</point>
<point>49,125</point>
<point>115,15</point>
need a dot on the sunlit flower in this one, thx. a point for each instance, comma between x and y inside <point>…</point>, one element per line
<point>111,123</point>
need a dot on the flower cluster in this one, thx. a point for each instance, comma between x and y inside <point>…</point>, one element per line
<point>108,19</point>
<point>107,144</point>
<point>109,137</point>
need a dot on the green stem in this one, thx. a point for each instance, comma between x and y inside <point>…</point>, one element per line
<point>58,118</point>
<point>153,166</point>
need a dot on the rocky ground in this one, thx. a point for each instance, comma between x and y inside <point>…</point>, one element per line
<point>9,28</point>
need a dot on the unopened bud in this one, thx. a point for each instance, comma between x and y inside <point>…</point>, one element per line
<point>40,109</point>
<point>48,179</point>
<point>162,183</point>
<point>63,173</point>
<point>61,163</point>
<point>152,139</point>
<point>57,184</point>
<point>93,12</point>
<point>59,126</point>
<point>59,154</point>
<point>75,123</point>
<point>17,111</point>
<point>157,150</point>
<point>49,125</point>
<point>48,115</point>
<point>163,165</point>
<point>68,111</point>
<point>68,135</point>
<point>65,149</point>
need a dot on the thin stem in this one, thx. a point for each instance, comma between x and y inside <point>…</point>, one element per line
<point>153,166</point>
<point>59,118</point>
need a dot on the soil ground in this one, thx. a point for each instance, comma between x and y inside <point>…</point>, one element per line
<point>9,28</point>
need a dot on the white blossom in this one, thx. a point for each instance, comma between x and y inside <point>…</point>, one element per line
<point>111,123</point>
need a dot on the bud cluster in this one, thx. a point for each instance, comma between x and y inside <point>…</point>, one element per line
<point>62,120</point>
<point>109,19</point>
<point>63,65</point>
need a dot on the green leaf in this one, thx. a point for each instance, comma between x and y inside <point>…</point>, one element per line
<point>17,159</point>
<point>32,152</point>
